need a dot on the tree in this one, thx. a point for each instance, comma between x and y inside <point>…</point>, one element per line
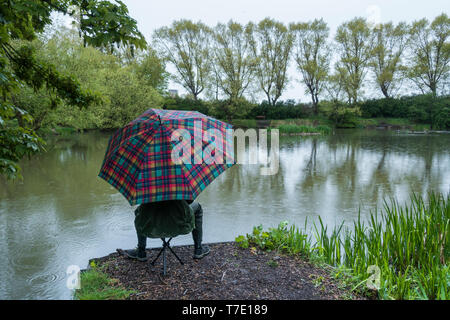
<point>151,69</point>
<point>271,45</point>
<point>233,60</point>
<point>19,66</point>
<point>117,28</point>
<point>354,44</point>
<point>186,46</point>
<point>335,87</point>
<point>389,44</point>
<point>430,53</point>
<point>312,56</point>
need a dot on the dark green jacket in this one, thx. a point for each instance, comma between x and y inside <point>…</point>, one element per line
<point>164,219</point>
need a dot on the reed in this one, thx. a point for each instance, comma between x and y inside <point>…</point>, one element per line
<point>294,128</point>
<point>408,244</point>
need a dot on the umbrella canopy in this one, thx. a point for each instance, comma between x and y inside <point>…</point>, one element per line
<point>139,159</point>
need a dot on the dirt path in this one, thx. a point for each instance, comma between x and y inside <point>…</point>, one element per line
<point>228,272</point>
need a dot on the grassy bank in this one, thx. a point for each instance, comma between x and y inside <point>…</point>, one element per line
<point>97,285</point>
<point>317,124</point>
<point>294,129</point>
<point>402,253</point>
<point>392,122</point>
<point>319,121</point>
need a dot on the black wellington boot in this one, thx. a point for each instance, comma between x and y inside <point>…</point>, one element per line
<point>139,253</point>
<point>197,234</point>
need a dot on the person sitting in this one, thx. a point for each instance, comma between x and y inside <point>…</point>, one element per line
<point>167,219</point>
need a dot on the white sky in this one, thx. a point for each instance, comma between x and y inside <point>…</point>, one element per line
<point>151,15</point>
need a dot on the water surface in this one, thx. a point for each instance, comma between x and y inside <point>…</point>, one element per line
<point>61,214</point>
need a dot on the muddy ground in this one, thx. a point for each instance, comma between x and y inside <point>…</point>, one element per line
<point>228,272</point>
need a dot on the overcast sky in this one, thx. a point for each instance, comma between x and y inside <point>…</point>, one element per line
<point>151,15</point>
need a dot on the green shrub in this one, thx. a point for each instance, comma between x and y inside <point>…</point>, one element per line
<point>408,244</point>
<point>418,108</point>
<point>186,104</point>
<point>343,115</point>
<point>282,110</point>
<point>293,128</point>
<point>96,285</point>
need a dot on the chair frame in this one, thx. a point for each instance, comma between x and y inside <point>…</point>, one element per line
<point>166,245</point>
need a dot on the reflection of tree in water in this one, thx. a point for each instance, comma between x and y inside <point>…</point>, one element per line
<point>67,172</point>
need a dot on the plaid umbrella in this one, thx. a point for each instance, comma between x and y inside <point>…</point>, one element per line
<point>139,160</point>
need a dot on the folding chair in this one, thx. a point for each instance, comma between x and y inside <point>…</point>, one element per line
<point>164,220</point>
<point>166,245</point>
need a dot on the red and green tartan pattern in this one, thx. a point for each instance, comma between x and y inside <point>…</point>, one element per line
<point>138,158</point>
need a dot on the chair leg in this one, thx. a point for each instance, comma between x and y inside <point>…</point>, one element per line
<point>160,251</point>
<point>164,260</point>
<point>166,244</point>
<point>178,258</point>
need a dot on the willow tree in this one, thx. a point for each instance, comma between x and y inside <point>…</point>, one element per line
<point>312,55</point>
<point>430,53</point>
<point>186,46</point>
<point>233,59</point>
<point>354,45</point>
<point>103,23</point>
<point>389,45</point>
<point>272,45</point>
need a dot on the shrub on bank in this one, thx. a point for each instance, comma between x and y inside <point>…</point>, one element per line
<point>281,110</point>
<point>292,128</point>
<point>406,246</point>
<point>419,108</point>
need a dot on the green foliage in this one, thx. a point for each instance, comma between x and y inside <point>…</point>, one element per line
<point>344,115</point>
<point>239,108</point>
<point>420,108</point>
<point>289,240</point>
<point>386,61</point>
<point>151,70</point>
<point>116,27</point>
<point>16,141</point>
<point>233,62</point>
<point>185,45</point>
<point>127,98</point>
<point>430,48</point>
<point>281,110</point>
<point>188,104</point>
<point>271,45</point>
<point>312,56</point>
<point>101,22</point>
<point>96,285</point>
<point>125,94</point>
<point>292,128</point>
<point>354,44</point>
<point>409,245</point>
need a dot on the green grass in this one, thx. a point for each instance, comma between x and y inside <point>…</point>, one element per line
<point>364,122</point>
<point>409,245</point>
<point>244,123</point>
<point>96,285</point>
<point>292,128</point>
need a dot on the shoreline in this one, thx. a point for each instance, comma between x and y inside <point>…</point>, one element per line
<point>227,273</point>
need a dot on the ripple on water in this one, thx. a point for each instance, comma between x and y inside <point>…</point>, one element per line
<point>43,279</point>
<point>119,224</point>
<point>27,258</point>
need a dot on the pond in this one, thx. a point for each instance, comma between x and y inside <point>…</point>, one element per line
<point>62,214</point>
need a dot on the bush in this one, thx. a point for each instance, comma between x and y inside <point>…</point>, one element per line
<point>418,108</point>
<point>282,110</point>
<point>186,104</point>
<point>343,115</point>
<point>292,128</point>
<point>239,109</point>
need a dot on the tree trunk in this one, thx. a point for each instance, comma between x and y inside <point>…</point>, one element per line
<point>385,91</point>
